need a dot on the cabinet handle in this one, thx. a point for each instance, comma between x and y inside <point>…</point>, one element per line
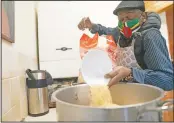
<point>64,48</point>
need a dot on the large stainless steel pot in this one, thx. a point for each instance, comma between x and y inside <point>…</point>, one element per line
<point>139,102</point>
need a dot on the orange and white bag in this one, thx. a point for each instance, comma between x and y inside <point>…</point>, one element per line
<point>106,43</point>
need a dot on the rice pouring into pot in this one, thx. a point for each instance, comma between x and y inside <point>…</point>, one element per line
<point>93,71</point>
<point>100,96</point>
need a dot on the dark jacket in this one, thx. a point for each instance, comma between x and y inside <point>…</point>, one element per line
<point>158,70</point>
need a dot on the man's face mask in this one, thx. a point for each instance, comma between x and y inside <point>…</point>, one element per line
<point>129,27</point>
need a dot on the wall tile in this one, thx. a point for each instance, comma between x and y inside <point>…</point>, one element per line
<point>13,114</point>
<point>22,59</point>
<point>15,90</point>
<point>23,87</point>
<point>10,64</point>
<point>24,107</point>
<point>6,96</point>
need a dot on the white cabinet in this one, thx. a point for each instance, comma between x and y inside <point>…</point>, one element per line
<point>57,28</point>
<point>62,68</point>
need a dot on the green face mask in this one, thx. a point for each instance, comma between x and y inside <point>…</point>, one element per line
<point>134,25</point>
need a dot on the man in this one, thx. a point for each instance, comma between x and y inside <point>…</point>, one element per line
<point>149,47</point>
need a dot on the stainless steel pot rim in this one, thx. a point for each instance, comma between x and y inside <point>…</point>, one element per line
<point>120,107</point>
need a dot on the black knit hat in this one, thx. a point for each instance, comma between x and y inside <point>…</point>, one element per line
<point>129,5</point>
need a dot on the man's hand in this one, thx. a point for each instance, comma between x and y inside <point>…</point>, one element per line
<point>119,73</point>
<point>85,23</point>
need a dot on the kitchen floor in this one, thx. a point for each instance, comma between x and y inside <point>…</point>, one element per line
<point>51,116</point>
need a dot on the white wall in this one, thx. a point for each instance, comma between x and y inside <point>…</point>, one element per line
<point>99,11</point>
<point>25,30</point>
<point>16,58</point>
<point>25,37</point>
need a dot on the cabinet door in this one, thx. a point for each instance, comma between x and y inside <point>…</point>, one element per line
<point>169,19</point>
<point>57,30</point>
<point>61,69</point>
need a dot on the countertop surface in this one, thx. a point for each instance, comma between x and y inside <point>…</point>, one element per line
<point>51,116</point>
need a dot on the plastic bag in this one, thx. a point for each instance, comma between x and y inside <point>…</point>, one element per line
<point>87,43</point>
<point>112,49</point>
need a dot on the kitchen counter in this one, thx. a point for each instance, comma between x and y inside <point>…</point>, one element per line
<point>51,116</point>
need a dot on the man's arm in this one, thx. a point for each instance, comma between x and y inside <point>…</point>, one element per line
<point>160,69</point>
<point>86,23</point>
<point>102,30</point>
